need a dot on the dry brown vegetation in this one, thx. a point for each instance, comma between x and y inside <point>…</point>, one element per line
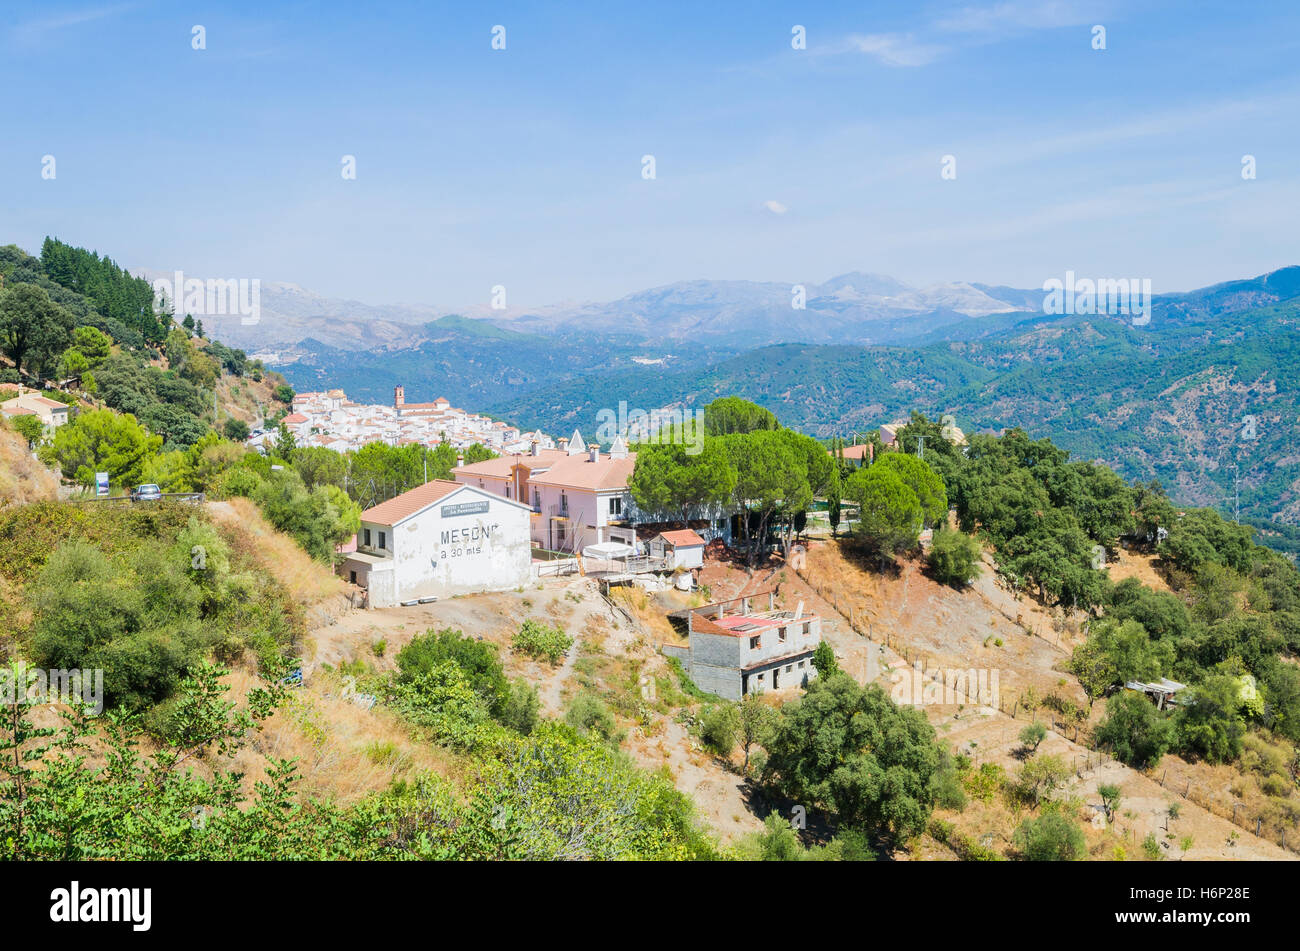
<point>22,477</point>
<point>307,581</point>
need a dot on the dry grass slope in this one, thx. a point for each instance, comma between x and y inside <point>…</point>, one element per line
<point>22,478</point>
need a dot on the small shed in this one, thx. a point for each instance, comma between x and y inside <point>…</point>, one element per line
<point>1163,692</point>
<point>682,548</point>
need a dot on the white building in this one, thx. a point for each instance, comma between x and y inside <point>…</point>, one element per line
<point>440,539</point>
<point>51,413</point>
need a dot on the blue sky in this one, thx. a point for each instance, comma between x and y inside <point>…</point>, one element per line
<point>523,167</point>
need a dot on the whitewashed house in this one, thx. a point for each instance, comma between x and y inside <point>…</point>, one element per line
<point>437,540</point>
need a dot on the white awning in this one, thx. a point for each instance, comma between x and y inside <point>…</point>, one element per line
<point>608,551</point>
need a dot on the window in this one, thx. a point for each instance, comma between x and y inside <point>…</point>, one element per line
<point>755,643</point>
<point>616,505</point>
<point>788,668</point>
<point>780,635</point>
<point>508,491</point>
<point>383,539</point>
<point>807,628</point>
<point>801,665</point>
<point>367,538</point>
<point>353,576</point>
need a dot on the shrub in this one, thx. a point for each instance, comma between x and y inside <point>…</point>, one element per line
<point>539,640</point>
<point>1134,730</point>
<point>521,709</point>
<point>1051,837</point>
<point>1151,847</point>
<point>718,728</point>
<point>1032,735</point>
<point>589,715</point>
<point>954,557</point>
<point>477,659</point>
<point>443,699</point>
<point>823,660</point>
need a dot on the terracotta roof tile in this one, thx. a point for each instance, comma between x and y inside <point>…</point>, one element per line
<point>579,472</point>
<point>682,538</point>
<point>408,503</point>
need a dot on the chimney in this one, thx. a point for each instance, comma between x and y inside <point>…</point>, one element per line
<point>594,455</point>
<point>533,449</point>
<point>564,444</point>
<point>460,459</point>
<point>399,396</point>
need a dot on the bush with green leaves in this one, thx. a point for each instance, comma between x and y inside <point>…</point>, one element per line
<point>954,557</point>
<point>851,751</point>
<point>823,659</point>
<point>541,641</point>
<point>1032,735</point>
<point>522,708</point>
<point>477,658</point>
<point>101,441</point>
<point>1050,837</point>
<point>1209,723</point>
<point>590,716</point>
<point>318,519</point>
<point>719,725</point>
<point>890,515</point>
<point>444,699</point>
<point>143,593</point>
<point>1134,730</point>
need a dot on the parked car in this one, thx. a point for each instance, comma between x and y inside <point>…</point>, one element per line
<point>146,493</point>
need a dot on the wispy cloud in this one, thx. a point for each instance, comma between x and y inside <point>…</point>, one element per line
<point>895,49</point>
<point>775,207</point>
<point>1016,16</point>
<point>33,31</point>
<point>967,25</point>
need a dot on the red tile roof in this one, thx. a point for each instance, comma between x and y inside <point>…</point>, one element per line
<point>408,503</point>
<point>502,466</point>
<point>579,472</point>
<point>295,418</point>
<point>860,451</point>
<point>682,538</point>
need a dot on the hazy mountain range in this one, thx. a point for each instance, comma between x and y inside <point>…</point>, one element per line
<point>1166,400</point>
<point>855,307</point>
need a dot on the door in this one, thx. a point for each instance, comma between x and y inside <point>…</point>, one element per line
<point>775,683</point>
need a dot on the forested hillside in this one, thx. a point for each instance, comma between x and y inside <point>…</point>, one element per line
<point>1193,399</point>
